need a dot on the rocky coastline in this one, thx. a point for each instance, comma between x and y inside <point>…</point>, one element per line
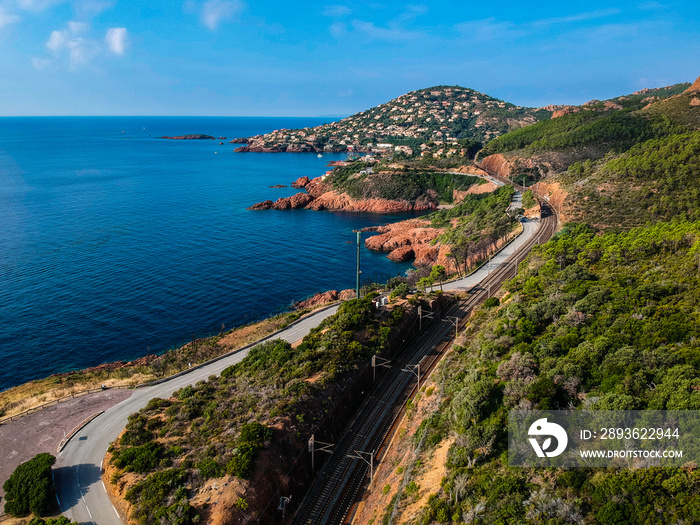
<point>193,136</point>
<point>319,195</point>
<point>323,298</point>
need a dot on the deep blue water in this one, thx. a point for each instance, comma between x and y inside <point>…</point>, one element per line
<point>115,243</point>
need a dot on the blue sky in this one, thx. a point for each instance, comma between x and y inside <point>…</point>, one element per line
<point>241,57</point>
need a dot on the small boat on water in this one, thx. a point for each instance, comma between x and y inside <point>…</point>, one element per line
<point>319,156</point>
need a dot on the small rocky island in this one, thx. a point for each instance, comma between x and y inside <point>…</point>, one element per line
<point>194,136</point>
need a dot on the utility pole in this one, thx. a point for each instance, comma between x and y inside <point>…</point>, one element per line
<point>357,282</point>
<point>427,315</point>
<point>415,370</point>
<point>361,455</point>
<point>378,361</point>
<point>325,447</point>
<point>283,504</point>
<point>454,321</point>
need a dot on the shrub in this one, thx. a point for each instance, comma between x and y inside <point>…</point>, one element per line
<point>139,459</point>
<point>491,302</point>
<point>241,464</point>
<point>209,468</point>
<point>29,488</point>
<point>152,495</point>
<point>255,433</point>
<point>60,520</point>
<point>400,291</point>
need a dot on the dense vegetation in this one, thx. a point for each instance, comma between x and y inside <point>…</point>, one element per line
<point>598,127</point>
<point>221,426</point>
<point>616,131</point>
<point>605,316</point>
<point>30,488</point>
<point>407,185</point>
<point>655,180</point>
<point>591,321</point>
<point>480,222</point>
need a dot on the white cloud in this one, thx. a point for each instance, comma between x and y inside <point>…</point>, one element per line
<point>117,40</point>
<point>336,11</point>
<point>40,63</point>
<point>6,18</point>
<point>213,12</point>
<point>652,6</point>
<point>38,5</point>
<point>57,41</point>
<point>77,27</point>
<point>412,12</point>
<point>91,8</point>
<point>487,29</point>
<point>80,51</point>
<point>581,17</point>
<point>391,33</point>
<point>338,29</point>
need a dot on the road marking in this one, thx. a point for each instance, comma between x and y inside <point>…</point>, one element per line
<point>101,464</point>
<point>86,508</point>
<point>115,511</point>
<point>59,501</point>
<point>103,486</point>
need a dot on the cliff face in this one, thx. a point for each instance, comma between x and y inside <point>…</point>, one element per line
<point>319,196</point>
<point>335,201</point>
<point>411,239</point>
<point>553,193</point>
<point>322,298</point>
<point>498,164</point>
<point>695,87</point>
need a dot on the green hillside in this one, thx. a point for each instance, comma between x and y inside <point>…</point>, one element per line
<point>605,316</point>
<point>597,322</point>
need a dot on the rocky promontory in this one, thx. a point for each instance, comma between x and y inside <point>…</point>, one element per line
<point>195,136</point>
<point>320,196</point>
<point>322,298</point>
<point>410,239</point>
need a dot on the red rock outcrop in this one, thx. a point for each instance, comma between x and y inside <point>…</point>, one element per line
<point>322,298</point>
<point>301,182</point>
<point>320,196</point>
<point>477,189</point>
<point>335,201</point>
<point>695,88</point>
<point>405,233</point>
<point>402,254</point>
<point>498,164</point>
<point>560,111</point>
<point>298,200</point>
<point>555,195</point>
<point>410,239</point>
<point>316,187</point>
<point>190,137</point>
<point>264,205</point>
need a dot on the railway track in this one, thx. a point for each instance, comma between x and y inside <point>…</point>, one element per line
<point>332,495</point>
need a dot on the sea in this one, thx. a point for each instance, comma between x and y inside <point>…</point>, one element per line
<point>115,243</point>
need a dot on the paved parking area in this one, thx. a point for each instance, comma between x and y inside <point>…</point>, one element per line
<point>42,431</point>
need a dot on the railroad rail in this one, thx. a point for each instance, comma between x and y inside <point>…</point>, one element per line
<point>335,489</point>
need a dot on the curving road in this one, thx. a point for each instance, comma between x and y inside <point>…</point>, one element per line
<point>81,493</point>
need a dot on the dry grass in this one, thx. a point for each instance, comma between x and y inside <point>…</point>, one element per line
<point>36,393</point>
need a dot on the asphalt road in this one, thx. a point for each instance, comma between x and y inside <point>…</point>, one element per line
<point>80,490</point>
